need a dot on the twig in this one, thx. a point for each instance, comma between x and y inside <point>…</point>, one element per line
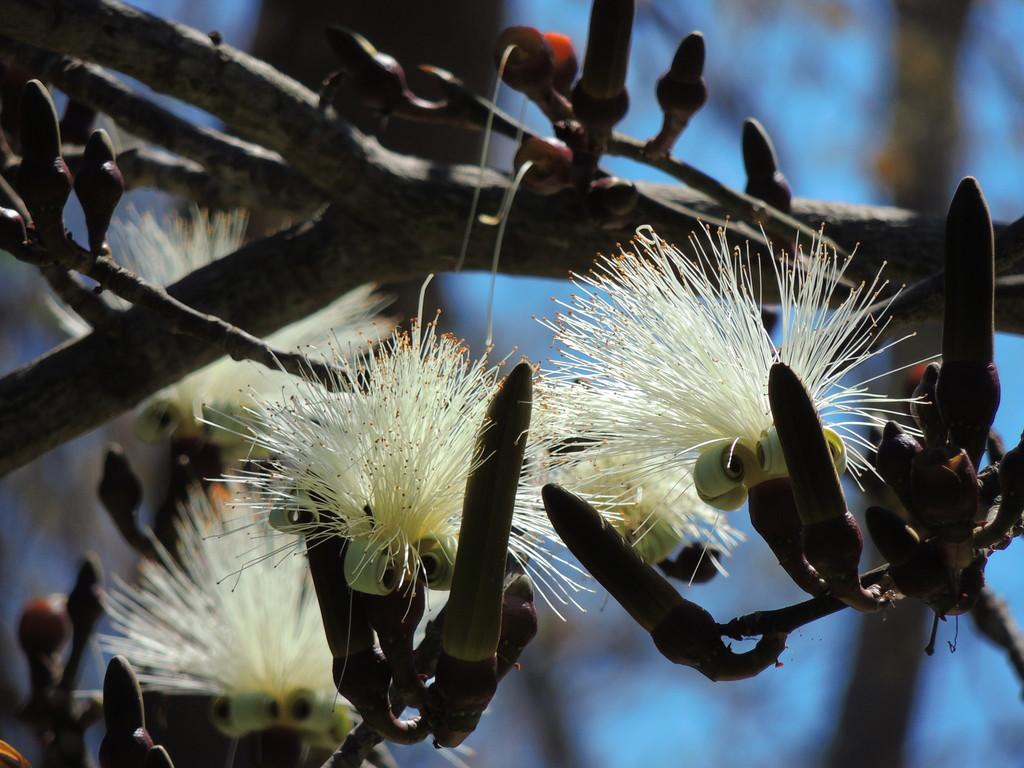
<point>82,301</point>
<point>793,617</point>
<point>179,317</point>
<point>231,160</point>
<point>992,617</point>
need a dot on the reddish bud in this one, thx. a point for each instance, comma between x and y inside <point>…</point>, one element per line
<point>45,627</point>
<point>460,694</point>
<point>924,410</point>
<point>894,458</point>
<point>377,78</point>
<point>44,181</point>
<point>611,201</point>
<point>566,65</point>
<point>552,165</point>
<point>773,514</point>
<point>530,66</point>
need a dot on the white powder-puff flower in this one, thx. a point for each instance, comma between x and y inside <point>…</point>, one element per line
<point>674,360</point>
<point>254,639</point>
<point>384,464</point>
<point>163,253</point>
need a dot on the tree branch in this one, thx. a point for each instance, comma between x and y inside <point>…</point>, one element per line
<point>232,160</point>
<point>992,617</point>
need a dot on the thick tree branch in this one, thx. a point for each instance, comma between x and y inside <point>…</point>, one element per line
<point>279,280</point>
<point>232,160</point>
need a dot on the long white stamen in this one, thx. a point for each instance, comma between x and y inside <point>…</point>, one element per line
<point>502,219</point>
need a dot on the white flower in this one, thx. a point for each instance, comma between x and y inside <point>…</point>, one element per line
<point>386,465</point>
<point>674,358</point>
<point>165,253</point>
<point>196,624</point>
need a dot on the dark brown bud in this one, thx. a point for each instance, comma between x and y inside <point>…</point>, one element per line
<point>566,65</point>
<point>551,171</point>
<point>98,186</point>
<point>44,181</point>
<point>895,540</point>
<point>126,741</point>
<point>376,78</point>
<point>599,114</point>
<point>924,410</point>
<point>967,395</point>
<point>924,576</point>
<point>44,628</point>
<point>764,180</point>
<point>120,490</point>
<point>530,65</point>
<point>84,604</point>
<point>894,458</point>
<point>460,694</point>
<point>681,92</point>
<point>638,588</point>
<point>395,617</point>
<point>611,201</point>
<point>13,234</point>
<point>945,491</point>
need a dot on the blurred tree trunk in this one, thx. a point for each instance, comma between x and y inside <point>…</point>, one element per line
<point>917,165</point>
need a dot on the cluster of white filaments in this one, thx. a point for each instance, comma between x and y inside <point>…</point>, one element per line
<point>194,624</point>
<point>664,356</point>
<point>163,253</point>
<point>384,463</point>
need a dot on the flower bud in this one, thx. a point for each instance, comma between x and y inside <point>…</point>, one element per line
<point>98,186</point>
<point>377,78</point>
<point>681,92</point>
<point>364,679</point>
<point>552,165</point>
<point>44,181</point>
<point>344,618</point>
<point>395,618</point>
<point>461,692</point>
<point>967,391</point>
<point>530,66</point>
<point>126,741</point>
<point>607,57</point>
<point>473,619</point>
<point>566,65</point>
<point>945,492</point>
<point>773,514</point>
<point>764,180</point>
<point>894,458</point>
<point>44,628</point>
<point>924,410</point>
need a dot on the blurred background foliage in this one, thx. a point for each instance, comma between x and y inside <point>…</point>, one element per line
<point>873,101</point>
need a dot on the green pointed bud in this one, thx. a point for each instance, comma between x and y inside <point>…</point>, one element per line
<point>808,457</point>
<point>895,540</point>
<point>644,593</point>
<point>967,392</point>
<point>437,558</point>
<point>345,623</point>
<point>473,619</point>
<point>98,186</point>
<point>368,568</point>
<point>242,713</point>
